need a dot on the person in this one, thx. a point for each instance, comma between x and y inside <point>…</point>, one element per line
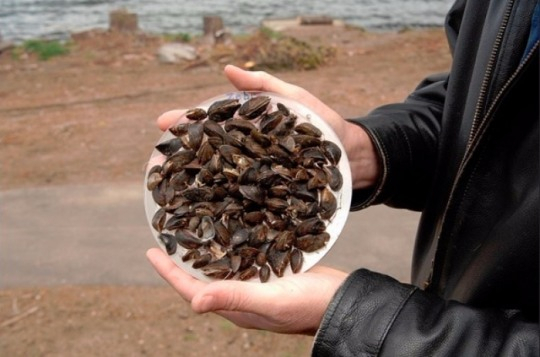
<point>462,148</point>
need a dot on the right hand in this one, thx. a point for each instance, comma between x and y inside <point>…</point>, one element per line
<point>284,305</point>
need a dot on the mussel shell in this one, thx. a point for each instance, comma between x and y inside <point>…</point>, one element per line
<point>176,222</point>
<point>334,177</point>
<point>227,151</point>
<point>284,240</point>
<point>248,255</point>
<point>158,220</point>
<point>261,139</point>
<point>279,191</point>
<point>194,136</point>
<point>187,240</point>
<point>206,230</point>
<point>253,193</point>
<point>305,141</point>
<point>169,242</point>
<point>202,261</point>
<point>308,129</point>
<point>254,149</point>
<point>198,194</point>
<point>248,176</point>
<point>254,218</point>
<point>177,161</point>
<point>222,110</point>
<point>297,260</point>
<point>248,273</point>
<point>264,273</point>
<point>159,193</point>
<point>214,130</point>
<point>154,179</point>
<point>169,147</point>
<point>278,260</point>
<point>240,236</point>
<point>179,129</point>
<point>196,114</point>
<point>218,269</point>
<point>310,226</point>
<point>331,151</point>
<point>205,153</point>
<point>276,205</point>
<point>282,108</point>
<point>223,235</point>
<point>328,204</point>
<point>260,259</point>
<point>285,127</point>
<point>191,254</point>
<point>312,242</point>
<point>258,235</point>
<point>270,121</point>
<point>241,125</point>
<point>254,107</point>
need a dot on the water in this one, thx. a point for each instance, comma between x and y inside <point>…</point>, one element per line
<point>24,19</point>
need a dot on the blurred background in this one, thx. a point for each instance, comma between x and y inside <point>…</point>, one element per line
<point>25,19</point>
<point>81,84</point>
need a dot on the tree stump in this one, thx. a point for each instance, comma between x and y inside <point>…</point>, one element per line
<point>214,31</point>
<point>123,21</point>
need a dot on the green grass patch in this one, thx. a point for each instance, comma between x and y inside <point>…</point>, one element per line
<point>270,34</point>
<point>177,37</point>
<point>45,49</point>
<point>270,50</point>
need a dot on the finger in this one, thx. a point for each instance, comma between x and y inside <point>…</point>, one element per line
<point>156,160</point>
<point>167,119</point>
<point>182,282</point>
<point>261,81</point>
<point>233,296</point>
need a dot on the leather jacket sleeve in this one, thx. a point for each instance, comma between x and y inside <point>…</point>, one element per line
<point>407,165</point>
<point>375,315</point>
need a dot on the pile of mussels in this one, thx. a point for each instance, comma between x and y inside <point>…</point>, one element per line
<point>245,189</point>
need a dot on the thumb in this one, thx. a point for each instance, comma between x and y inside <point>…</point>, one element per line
<point>261,81</point>
<point>167,119</point>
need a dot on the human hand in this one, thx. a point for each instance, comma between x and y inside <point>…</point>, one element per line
<point>360,151</point>
<point>286,305</point>
<point>291,304</point>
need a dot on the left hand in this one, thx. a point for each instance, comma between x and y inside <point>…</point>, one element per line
<point>292,304</point>
<point>360,150</point>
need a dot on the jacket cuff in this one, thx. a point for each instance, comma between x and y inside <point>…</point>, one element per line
<point>395,160</point>
<point>360,315</point>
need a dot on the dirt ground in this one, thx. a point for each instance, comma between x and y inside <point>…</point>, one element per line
<point>89,117</point>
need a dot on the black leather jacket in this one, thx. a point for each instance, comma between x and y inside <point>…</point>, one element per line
<point>463,149</point>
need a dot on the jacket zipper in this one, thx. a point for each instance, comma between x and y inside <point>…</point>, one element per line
<point>475,124</point>
<point>473,145</point>
<point>487,75</point>
<point>500,93</point>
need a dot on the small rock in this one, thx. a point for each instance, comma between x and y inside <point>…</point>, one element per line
<point>176,53</point>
